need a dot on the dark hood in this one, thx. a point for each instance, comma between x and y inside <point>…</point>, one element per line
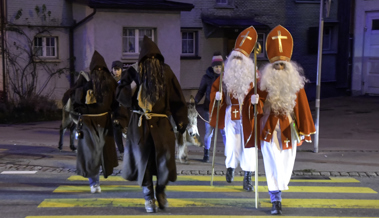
<point>98,62</point>
<point>210,72</point>
<point>149,49</point>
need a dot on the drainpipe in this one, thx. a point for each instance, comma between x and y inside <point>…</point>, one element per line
<point>72,57</point>
<point>2,51</point>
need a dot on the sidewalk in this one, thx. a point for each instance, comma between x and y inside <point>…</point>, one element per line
<point>348,145</point>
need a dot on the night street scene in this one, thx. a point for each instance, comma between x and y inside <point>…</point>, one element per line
<point>189,108</point>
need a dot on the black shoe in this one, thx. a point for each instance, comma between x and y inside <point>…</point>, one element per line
<point>184,160</point>
<point>247,183</point>
<point>60,147</point>
<point>230,174</point>
<point>162,201</point>
<point>206,155</point>
<point>276,208</point>
<point>150,206</point>
<point>72,147</point>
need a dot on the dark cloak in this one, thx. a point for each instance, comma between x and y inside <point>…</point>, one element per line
<point>137,152</point>
<point>97,147</point>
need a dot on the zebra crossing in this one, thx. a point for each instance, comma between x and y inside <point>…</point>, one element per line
<point>194,193</point>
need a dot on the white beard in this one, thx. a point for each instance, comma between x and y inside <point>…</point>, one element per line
<point>239,75</point>
<point>282,86</point>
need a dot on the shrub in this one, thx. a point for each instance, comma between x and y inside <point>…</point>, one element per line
<point>36,108</point>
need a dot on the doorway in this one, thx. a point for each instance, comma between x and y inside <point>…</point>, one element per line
<point>370,56</point>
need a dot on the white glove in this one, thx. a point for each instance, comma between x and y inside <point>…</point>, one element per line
<point>254,99</point>
<point>218,96</point>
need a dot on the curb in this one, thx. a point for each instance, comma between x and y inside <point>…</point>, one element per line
<point>13,167</point>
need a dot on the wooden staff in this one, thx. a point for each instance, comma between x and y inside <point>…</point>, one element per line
<point>257,50</point>
<point>216,128</point>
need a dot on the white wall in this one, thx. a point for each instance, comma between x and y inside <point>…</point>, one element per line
<point>104,34</point>
<point>361,7</point>
<point>59,21</point>
<point>60,12</point>
<point>56,85</point>
<point>84,37</point>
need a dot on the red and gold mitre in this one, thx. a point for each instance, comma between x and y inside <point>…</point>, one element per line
<point>279,44</point>
<point>246,41</point>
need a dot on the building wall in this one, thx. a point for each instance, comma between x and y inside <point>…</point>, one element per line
<point>84,37</point>
<point>60,12</point>
<point>297,17</point>
<point>361,7</point>
<point>104,34</point>
<point>56,20</point>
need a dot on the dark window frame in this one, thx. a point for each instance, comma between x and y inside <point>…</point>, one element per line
<point>195,53</point>
<point>137,38</point>
<point>228,5</point>
<point>45,46</point>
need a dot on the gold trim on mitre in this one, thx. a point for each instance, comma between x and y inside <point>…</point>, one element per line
<point>279,44</point>
<point>242,51</point>
<point>279,58</point>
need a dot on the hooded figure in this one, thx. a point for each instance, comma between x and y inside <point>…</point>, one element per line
<point>95,102</point>
<point>153,94</point>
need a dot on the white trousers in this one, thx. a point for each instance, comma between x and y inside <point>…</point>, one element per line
<point>235,150</point>
<point>278,163</point>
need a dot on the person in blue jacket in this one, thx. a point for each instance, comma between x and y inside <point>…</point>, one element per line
<point>212,73</point>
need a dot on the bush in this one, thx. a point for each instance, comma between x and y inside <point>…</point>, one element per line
<point>37,108</point>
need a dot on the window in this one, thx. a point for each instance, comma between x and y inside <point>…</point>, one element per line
<point>375,24</point>
<point>222,2</point>
<point>189,43</point>
<point>327,40</point>
<point>330,38</point>
<point>132,39</point>
<point>45,47</point>
<point>307,1</point>
<point>261,40</point>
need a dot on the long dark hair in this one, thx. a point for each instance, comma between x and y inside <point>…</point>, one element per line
<point>152,78</point>
<point>100,87</point>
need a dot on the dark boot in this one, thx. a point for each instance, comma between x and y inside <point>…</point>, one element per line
<point>72,147</point>
<point>148,193</point>
<point>72,136</point>
<point>276,208</point>
<point>206,155</point>
<point>161,196</point>
<point>247,183</point>
<point>230,174</point>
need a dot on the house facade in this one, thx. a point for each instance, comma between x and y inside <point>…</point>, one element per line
<point>67,32</point>
<point>35,53</point>
<point>61,36</point>
<point>365,77</point>
<point>116,30</point>
<point>215,25</point>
